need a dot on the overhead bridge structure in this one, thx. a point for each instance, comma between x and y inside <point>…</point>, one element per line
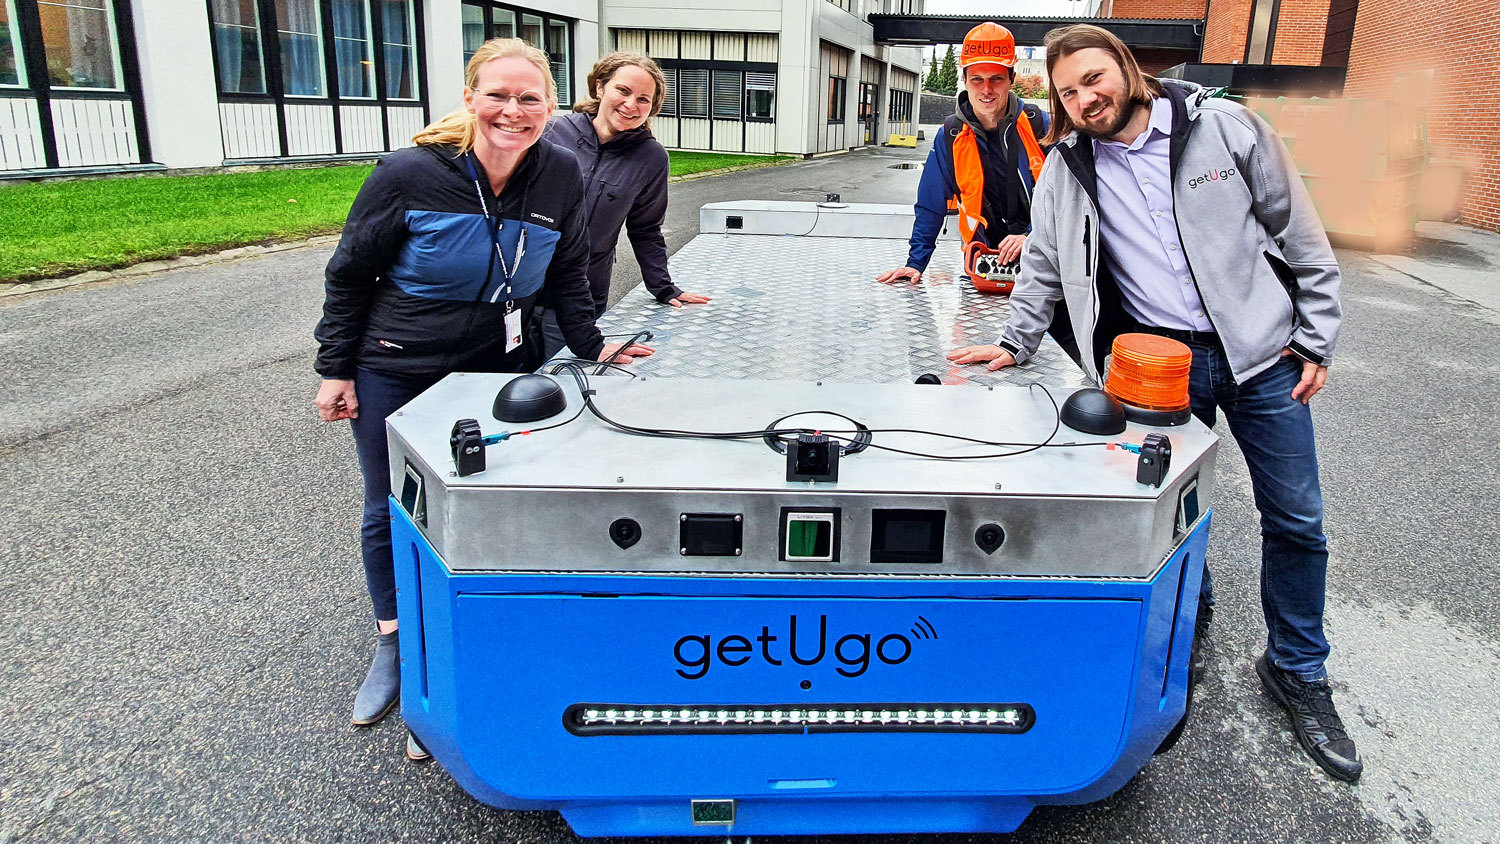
<point>1157,43</point>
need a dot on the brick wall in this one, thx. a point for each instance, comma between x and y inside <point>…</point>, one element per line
<point>1224,33</point>
<point>1159,9</point>
<point>1299,32</point>
<point>1460,41</point>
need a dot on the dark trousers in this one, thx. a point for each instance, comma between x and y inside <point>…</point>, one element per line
<point>379,396</point>
<point>1275,433</point>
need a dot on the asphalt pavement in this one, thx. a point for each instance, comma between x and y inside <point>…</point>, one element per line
<point>187,620</point>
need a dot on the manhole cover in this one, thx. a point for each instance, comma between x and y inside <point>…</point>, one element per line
<point>905,165</point>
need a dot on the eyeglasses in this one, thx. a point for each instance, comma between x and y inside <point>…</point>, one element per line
<point>526,101</point>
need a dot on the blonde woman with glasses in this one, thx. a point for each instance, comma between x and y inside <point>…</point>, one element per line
<point>449,249</point>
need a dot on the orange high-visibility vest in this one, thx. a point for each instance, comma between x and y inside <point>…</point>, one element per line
<point>968,174</point>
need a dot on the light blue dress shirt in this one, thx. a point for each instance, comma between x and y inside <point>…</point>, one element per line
<point>1139,230</point>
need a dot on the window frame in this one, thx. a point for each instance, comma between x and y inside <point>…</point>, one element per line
<point>18,48</point>
<point>326,93</point>
<point>370,79</point>
<point>548,21</point>
<point>838,88</point>
<point>382,74</point>
<point>112,26</point>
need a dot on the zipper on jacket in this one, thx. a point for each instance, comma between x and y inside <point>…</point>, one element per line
<point>1088,253</point>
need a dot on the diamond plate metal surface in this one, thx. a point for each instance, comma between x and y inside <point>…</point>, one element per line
<point>809,308</point>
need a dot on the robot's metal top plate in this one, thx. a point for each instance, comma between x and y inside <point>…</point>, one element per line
<point>589,454</point>
<point>798,301</point>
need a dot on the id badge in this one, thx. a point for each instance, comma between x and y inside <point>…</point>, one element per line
<point>512,330</point>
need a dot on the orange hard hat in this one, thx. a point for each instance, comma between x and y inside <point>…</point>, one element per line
<point>989,43</point>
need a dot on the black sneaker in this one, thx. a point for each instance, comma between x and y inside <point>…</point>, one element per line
<point>1314,720</point>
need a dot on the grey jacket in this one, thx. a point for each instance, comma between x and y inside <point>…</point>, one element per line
<point>625,182</point>
<point>1256,249</point>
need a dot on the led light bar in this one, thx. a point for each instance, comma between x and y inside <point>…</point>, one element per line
<point>598,719</point>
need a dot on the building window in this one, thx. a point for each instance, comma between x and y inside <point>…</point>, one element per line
<point>692,92</point>
<point>12,71</point>
<point>900,108</point>
<point>354,58</point>
<point>728,89</point>
<point>1262,36</point>
<point>837,85</point>
<point>561,57</point>
<point>78,40</point>
<point>554,36</point>
<point>399,34</point>
<point>760,96</point>
<point>236,25</point>
<point>473,29</point>
<point>301,37</point>
<point>669,96</point>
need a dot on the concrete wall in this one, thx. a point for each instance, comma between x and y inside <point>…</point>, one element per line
<point>180,91</point>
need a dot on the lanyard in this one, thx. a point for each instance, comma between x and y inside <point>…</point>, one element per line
<point>494,226</point>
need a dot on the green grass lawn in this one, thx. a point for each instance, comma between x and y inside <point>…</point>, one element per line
<point>58,228</point>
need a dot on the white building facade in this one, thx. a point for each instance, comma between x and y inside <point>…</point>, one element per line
<point>120,85</point>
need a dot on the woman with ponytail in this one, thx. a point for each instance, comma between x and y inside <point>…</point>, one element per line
<point>449,249</point>
<point>625,172</point>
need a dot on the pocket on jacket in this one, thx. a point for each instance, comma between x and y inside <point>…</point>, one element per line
<point>1283,272</point>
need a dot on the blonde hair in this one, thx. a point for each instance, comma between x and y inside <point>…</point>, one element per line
<point>458,126</point>
<point>605,69</point>
<point>1067,40</point>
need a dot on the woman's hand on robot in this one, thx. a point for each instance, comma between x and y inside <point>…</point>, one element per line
<point>636,350</point>
<point>689,299</point>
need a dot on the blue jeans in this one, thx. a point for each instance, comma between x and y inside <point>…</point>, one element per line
<point>1275,432</point>
<point>379,396</point>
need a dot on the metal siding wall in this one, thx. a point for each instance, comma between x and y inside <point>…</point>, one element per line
<point>249,130</point>
<point>902,80</point>
<point>360,126</point>
<point>729,136</point>
<point>693,133</point>
<point>762,48</point>
<point>309,130</point>
<point>632,40</point>
<point>92,133</point>
<point>404,122</point>
<point>20,135</point>
<point>760,137</point>
<point>696,45</point>
<point>665,130</point>
<point>663,44</point>
<point>729,46</point>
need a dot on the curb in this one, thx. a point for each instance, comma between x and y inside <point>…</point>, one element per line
<point>757,165</point>
<point>8,289</point>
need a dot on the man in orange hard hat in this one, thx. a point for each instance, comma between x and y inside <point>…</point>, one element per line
<point>986,160</point>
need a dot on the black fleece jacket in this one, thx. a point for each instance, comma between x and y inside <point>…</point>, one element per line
<point>625,182</point>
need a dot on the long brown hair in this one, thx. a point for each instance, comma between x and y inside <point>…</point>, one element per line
<point>605,69</point>
<point>457,127</point>
<point>1067,40</point>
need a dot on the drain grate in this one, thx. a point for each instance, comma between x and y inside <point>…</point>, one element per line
<point>905,165</point>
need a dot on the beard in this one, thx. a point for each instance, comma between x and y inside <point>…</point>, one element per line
<point>1114,127</point>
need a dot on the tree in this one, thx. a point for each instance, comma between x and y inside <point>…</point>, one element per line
<point>931,82</point>
<point>1030,86</point>
<point>948,75</point>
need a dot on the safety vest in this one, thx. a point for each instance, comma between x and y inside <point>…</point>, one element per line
<point>968,173</point>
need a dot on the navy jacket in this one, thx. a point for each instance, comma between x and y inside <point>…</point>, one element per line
<point>939,183</point>
<point>625,182</point>
<point>415,287</point>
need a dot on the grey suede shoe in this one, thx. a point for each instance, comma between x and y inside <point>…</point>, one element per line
<point>414,749</point>
<point>381,690</point>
